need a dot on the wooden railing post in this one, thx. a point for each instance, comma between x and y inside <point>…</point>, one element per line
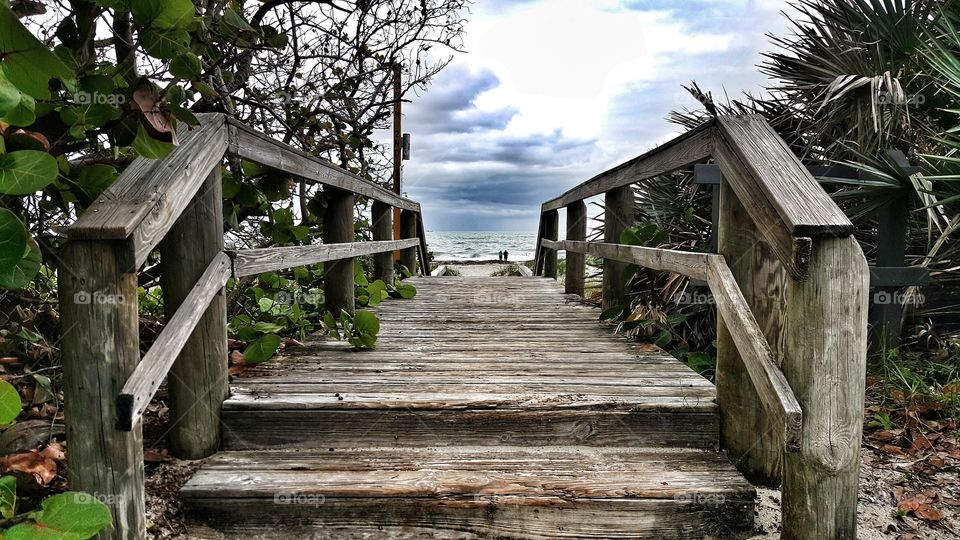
<point>576,262</point>
<point>101,347</point>
<point>618,215</point>
<point>749,436</point>
<point>198,379</point>
<point>551,230</point>
<point>408,229</point>
<point>382,216</point>
<point>825,361</point>
<point>338,229</point>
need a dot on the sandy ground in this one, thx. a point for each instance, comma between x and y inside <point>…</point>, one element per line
<point>478,268</point>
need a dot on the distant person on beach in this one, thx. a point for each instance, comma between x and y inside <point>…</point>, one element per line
<point>506,256</point>
<point>499,255</point>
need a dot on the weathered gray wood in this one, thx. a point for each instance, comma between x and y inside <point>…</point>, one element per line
<point>265,150</point>
<point>825,364</point>
<point>338,288</point>
<point>576,262</point>
<point>762,280</point>
<point>688,263</point>
<point>439,271</point>
<point>803,206</point>
<point>538,250</point>
<point>408,229</point>
<point>792,252</point>
<point>524,270</point>
<point>424,251</point>
<point>100,349</point>
<point>148,198</point>
<point>685,150</point>
<point>771,386</point>
<point>150,372</point>
<point>197,381</point>
<point>617,216</point>
<point>250,262</point>
<point>551,230</point>
<point>382,217</point>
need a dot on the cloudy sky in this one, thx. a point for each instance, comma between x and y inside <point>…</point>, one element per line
<point>552,92</point>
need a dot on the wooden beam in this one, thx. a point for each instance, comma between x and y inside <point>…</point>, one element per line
<point>382,217</point>
<point>100,349</point>
<point>250,262</point>
<point>408,230</point>
<point>424,250</point>
<point>683,151</point>
<point>338,287</point>
<point>687,263</point>
<point>617,216</point>
<point>551,230</point>
<point>265,150</point>
<point>802,205</point>
<point>197,381</point>
<point>151,371</point>
<point>150,194</point>
<point>770,384</point>
<point>576,262</point>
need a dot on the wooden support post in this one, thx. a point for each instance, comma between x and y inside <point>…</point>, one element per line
<point>752,441</point>
<point>101,348</point>
<point>198,379</point>
<point>338,229</point>
<point>551,231</point>
<point>825,364</point>
<point>576,262</point>
<point>618,215</point>
<point>408,229</point>
<point>538,250</point>
<point>887,311</point>
<point>383,230</point>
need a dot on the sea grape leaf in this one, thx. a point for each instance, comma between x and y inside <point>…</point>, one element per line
<point>10,403</point>
<point>23,271</point>
<point>262,349</point>
<point>26,171</point>
<point>65,516</point>
<point>27,62</point>
<point>13,239</point>
<point>8,496</point>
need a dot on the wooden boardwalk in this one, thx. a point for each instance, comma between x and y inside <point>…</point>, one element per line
<point>492,407</point>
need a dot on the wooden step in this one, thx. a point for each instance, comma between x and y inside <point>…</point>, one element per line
<point>468,492</point>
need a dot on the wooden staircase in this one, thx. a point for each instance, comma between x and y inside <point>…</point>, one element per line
<point>492,408</point>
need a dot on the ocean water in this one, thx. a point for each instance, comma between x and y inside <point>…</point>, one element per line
<point>480,246</point>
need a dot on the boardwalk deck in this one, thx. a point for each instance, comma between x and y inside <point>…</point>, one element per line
<point>492,407</point>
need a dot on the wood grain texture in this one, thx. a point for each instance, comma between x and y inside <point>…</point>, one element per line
<point>151,371</point>
<point>687,263</point>
<point>338,287</point>
<point>825,363</point>
<point>408,230</point>
<point>251,262</point>
<point>751,438</point>
<point>97,359</point>
<point>197,381</point>
<point>382,216</point>
<point>691,147</point>
<point>617,217</point>
<point>149,196</point>
<point>424,251</point>
<point>576,262</point>
<point>803,206</point>
<point>551,230</point>
<point>265,150</point>
<point>763,369</point>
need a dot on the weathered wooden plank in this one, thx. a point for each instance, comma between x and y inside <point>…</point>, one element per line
<point>250,262</point>
<point>265,150</point>
<point>382,216</point>
<point>149,196</point>
<point>687,263</point>
<point>576,262</point>
<point>150,372</point>
<point>338,274</point>
<point>424,251</point>
<point>551,229</point>
<point>683,151</point>
<point>617,217</point>
<point>197,381</point>
<point>97,358</point>
<point>792,252</point>
<point>439,271</point>
<point>802,205</point>
<point>408,230</point>
<point>771,385</point>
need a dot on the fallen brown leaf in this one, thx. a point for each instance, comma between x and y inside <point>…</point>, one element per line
<point>42,468</point>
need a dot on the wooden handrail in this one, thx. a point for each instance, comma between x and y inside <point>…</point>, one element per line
<point>777,397</point>
<point>249,262</point>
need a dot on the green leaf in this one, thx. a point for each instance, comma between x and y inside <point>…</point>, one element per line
<point>26,171</point>
<point>27,62</point>
<point>9,95</point>
<point>23,271</point>
<point>407,291</point>
<point>186,66</point>
<point>268,327</point>
<point>8,496</point>
<point>23,113</point>
<point>365,322</point>
<point>611,313</point>
<point>148,147</point>
<point>165,44</point>
<point>330,324</point>
<point>262,349</point>
<point>10,404</point>
<point>65,516</point>
<point>232,19</point>
<point>163,14</point>
<point>13,239</point>
<point>94,179</point>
